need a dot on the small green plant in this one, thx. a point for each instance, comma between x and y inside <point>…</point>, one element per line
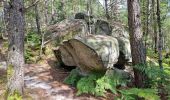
<point>73,78</point>
<point>166,61</point>
<point>134,93</point>
<point>33,44</point>
<point>86,85</point>
<point>152,54</point>
<point>13,96</point>
<point>103,84</point>
<point>33,40</point>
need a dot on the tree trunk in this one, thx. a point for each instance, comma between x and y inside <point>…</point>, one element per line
<point>52,10</point>
<point>89,13</point>
<point>137,47</point>
<point>37,19</point>
<point>154,26</point>
<point>160,41</point>
<point>147,23</point>
<point>62,9</point>
<point>46,12</point>
<point>15,29</point>
<point>107,11</point>
<point>161,88</point>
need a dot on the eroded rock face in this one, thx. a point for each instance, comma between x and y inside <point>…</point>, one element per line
<point>66,57</point>
<point>102,28</point>
<point>124,47</point>
<point>91,53</point>
<point>89,19</point>
<point>66,29</point>
<point>105,46</point>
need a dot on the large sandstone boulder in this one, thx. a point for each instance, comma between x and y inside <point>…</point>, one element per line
<point>117,31</point>
<point>65,30</point>
<point>107,46</point>
<point>91,53</point>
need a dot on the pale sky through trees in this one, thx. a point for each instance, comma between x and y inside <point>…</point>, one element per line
<point>122,4</point>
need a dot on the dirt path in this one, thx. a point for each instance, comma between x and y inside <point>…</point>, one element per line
<point>43,82</point>
<point>2,52</point>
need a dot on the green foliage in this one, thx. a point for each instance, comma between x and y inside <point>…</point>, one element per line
<point>156,76</point>
<point>105,83</point>
<point>33,43</point>
<point>152,54</point>
<point>73,78</point>
<point>166,62</point>
<point>59,6</point>
<point>33,40</point>
<point>95,83</point>
<point>164,9</point>
<point>134,93</point>
<point>98,84</point>
<point>166,30</point>
<point>86,85</point>
<point>15,96</point>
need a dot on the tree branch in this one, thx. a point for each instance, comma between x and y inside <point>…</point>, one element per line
<point>32,5</point>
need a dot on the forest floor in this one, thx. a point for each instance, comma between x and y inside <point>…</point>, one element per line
<point>44,81</point>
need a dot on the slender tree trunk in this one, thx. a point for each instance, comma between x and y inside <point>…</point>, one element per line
<point>137,47</point>
<point>62,9</point>
<point>37,19</point>
<point>15,29</point>
<point>52,10</point>
<point>154,26</point>
<point>89,12</point>
<point>161,89</point>
<point>91,7</point>
<point>107,11</point>
<point>160,42</point>
<point>46,12</point>
<point>144,18</point>
<point>147,23</point>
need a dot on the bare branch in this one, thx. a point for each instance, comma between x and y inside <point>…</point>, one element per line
<point>32,5</point>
